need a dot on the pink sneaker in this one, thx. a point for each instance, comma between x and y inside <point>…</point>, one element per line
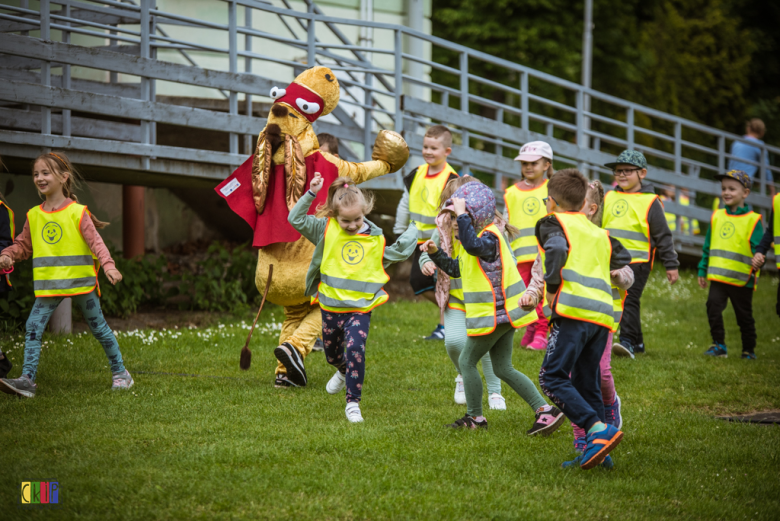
<point>528,337</point>
<point>539,342</point>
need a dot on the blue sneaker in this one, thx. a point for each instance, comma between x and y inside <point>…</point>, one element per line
<point>623,349</point>
<point>599,446</point>
<point>577,462</point>
<point>438,333</point>
<point>579,445</point>
<point>612,412</point>
<point>748,356</point>
<point>718,350</point>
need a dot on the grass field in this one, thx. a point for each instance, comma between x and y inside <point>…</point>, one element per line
<point>233,447</point>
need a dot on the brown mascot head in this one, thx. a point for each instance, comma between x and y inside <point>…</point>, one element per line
<point>314,93</point>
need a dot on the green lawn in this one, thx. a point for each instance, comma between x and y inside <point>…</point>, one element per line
<point>179,447</point>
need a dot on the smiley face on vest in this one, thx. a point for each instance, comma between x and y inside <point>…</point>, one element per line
<point>352,252</point>
<point>620,208</point>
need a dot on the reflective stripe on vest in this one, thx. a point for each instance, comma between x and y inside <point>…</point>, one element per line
<point>12,229</point>
<point>478,291</point>
<point>351,273</point>
<point>63,264</point>
<point>618,300</point>
<point>731,258</point>
<point>456,285</point>
<point>776,226</point>
<point>525,208</point>
<point>585,293</point>
<point>625,217</point>
<point>424,195</point>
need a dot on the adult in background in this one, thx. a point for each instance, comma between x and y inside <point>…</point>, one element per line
<point>754,131</point>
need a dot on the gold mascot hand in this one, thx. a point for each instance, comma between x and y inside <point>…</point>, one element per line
<point>391,148</point>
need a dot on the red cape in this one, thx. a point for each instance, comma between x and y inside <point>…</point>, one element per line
<point>271,226</point>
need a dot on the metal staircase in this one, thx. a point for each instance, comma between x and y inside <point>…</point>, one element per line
<point>138,95</point>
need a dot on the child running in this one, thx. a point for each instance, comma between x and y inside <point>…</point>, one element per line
<point>524,208</point>
<point>578,260</point>
<point>449,296</point>
<point>62,238</point>
<point>346,276</point>
<point>492,287</point>
<point>6,239</point>
<point>634,215</point>
<point>420,203</point>
<point>727,261</point>
<point>621,280</point>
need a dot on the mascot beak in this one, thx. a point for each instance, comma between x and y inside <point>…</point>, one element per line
<point>300,100</point>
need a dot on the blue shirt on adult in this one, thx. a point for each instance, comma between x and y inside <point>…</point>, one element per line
<point>750,152</point>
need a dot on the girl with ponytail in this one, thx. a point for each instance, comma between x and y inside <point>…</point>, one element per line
<point>67,251</point>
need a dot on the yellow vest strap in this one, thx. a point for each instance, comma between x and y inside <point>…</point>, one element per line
<point>515,289</point>
<point>456,300</point>
<point>743,277</point>
<point>589,282</point>
<point>481,322</point>
<point>65,260</point>
<point>744,259</point>
<point>456,283</point>
<point>518,313</point>
<point>525,250</point>
<point>420,218</point>
<point>359,303</point>
<point>577,301</point>
<point>43,285</point>
<point>351,285</point>
<point>626,234</point>
<point>477,297</point>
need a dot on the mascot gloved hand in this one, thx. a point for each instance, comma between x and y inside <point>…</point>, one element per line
<point>286,158</point>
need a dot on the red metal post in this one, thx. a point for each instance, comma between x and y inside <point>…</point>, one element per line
<point>132,221</point>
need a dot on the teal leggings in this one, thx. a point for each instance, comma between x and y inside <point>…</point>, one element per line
<point>455,340</point>
<point>499,345</point>
<point>90,308</point>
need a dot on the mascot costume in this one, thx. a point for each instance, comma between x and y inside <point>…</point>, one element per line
<point>267,186</point>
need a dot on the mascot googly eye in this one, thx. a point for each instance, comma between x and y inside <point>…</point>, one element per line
<point>277,93</point>
<point>309,107</point>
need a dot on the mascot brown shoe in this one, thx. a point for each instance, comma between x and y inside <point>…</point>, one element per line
<point>284,163</point>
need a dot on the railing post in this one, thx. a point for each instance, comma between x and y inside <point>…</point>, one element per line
<point>630,127</point>
<point>66,125</point>
<point>582,139</point>
<point>762,170</point>
<point>464,103</point>
<point>524,100</point>
<point>45,8</point>
<point>677,147</point>
<point>248,68</point>
<point>311,50</point>
<point>145,83</point>
<point>399,81</point>
<point>721,154</point>
<point>368,117</point>
<point>233,59</point>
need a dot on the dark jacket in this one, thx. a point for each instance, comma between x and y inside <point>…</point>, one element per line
<point>6,240</point>
<point>660,234</point>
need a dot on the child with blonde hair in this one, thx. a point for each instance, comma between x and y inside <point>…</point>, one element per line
<point>61,237</point>
<point>346,276</point>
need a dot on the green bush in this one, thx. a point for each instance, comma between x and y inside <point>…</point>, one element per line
<point>142,284</point>
<point>15,310</point>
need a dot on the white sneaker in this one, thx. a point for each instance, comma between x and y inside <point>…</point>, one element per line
<point>336,383</point>
<point>460,393</point>
<point>353,412</point>
<point>497,402</point>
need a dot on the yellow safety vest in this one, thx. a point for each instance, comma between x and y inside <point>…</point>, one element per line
<point>731,258</point>
<point>776,226</point>
<point>478,292</point>
<point>456,284</point>
<point>424,196</point>
<point>625,218</point>
<point>586,291</point>
<point>525,208</point>
<point>671,219</point>
<point>63,264</point>
<point>13,231</point>
<point>351,274</point>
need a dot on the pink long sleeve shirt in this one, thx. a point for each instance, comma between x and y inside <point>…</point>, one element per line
<point>21,249</point>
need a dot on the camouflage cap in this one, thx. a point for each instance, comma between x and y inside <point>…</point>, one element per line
<point>737,175</point>
<point>629,157</point>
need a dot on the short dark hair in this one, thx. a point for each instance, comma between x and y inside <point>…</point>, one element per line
<point>568,187</point>
<point>329,139</point>
<point>440,132</point>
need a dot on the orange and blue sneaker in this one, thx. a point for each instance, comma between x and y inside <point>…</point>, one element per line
<point>577,462</point>
<point>718,350</point>
<point>599,446</point>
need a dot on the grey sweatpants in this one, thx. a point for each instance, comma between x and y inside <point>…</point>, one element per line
<point>455,340</point>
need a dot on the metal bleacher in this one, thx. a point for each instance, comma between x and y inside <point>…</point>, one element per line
<point>119,83</point>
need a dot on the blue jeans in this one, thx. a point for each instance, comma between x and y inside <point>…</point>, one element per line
<point>570,373</point>
<point>90,308</point>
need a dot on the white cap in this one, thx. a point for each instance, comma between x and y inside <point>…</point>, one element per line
<point>535,150</point>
